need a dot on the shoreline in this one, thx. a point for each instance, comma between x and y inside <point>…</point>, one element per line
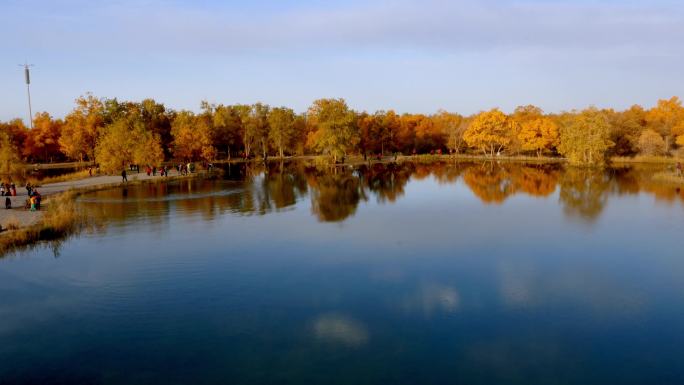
<point>58,215</point>
<point>23,228</point>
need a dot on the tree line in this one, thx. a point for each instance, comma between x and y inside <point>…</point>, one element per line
<point>116,133</point>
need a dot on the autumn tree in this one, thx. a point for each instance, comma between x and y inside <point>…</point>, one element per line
<point>391,125</point>
<point>157,120</point>
<point>585,137</point>
<point>449,128</point>
<point>664,117</point>
<point>678,133</point>
<point>369,127</point>
<point>335,129</point>
<point>126,141</point>
<point>282,130</point>
<point>651,143</point>
<point>10,162</point>
<point>16,131</point>
<point>538,135</point>
<point>430,133</point>
<point>81,128</point>
<point>255,127</point>
<point>192,137</point>
<point>626,128</point>
<point>227,127</point>
<point>489,132</point>
<point>42,142</point>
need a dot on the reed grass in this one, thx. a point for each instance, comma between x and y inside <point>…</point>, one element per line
<point>644,159</point>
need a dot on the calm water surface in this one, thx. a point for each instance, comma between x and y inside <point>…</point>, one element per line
<point>395,274</point>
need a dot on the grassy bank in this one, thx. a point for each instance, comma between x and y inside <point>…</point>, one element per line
<point>645,159</point>
<point>61,218</point>
<point>669,177</point>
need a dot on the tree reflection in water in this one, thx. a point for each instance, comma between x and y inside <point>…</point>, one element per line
<point>583,192</point>
<point>336,192</point>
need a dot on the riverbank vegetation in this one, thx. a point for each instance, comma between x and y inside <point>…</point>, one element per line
<point>61,217</point>
<point>116,133</point>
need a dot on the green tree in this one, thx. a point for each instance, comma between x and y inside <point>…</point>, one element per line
<point>585,137</point>
<point>282,129</point>
<point>335,129</point>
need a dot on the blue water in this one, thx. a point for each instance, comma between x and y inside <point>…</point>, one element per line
<point>395,274</point>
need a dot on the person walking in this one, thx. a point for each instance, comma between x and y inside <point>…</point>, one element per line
<point>123,176</point>
<point>8,203</point>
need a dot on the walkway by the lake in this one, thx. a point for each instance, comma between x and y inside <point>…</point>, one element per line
<point>24,217</point>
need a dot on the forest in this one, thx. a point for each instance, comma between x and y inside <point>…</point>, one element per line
<point>115,133</point>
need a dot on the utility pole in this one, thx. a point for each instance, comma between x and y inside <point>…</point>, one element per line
<point>27,76</point>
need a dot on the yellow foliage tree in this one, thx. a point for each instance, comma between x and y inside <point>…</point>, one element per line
<point>489,131</point>
<point>192,137</point>
<point>667,115</point>
<point>10,163</point>
<point>651,143</point>
<point>124,142</point>
<point>538,135</point>
<point>678,133</point>
<point>81,128</point>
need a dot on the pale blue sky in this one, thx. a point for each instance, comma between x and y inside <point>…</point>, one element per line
<point>408,55</point>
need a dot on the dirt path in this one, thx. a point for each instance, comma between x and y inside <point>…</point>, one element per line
<point>24,217</point>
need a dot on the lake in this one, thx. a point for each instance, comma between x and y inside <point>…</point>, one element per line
<point>442,273</point>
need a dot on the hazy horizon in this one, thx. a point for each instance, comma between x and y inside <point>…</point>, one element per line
<point>410,56</point>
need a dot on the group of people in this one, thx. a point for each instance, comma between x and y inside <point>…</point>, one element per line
<point>185,169</point>
<point>34,198</point>
<point>8,189</point>
<point>152,170</point>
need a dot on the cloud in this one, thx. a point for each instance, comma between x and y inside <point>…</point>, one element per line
<point>433,298</point>
<point>340,329</point>
<point>452,26</point>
